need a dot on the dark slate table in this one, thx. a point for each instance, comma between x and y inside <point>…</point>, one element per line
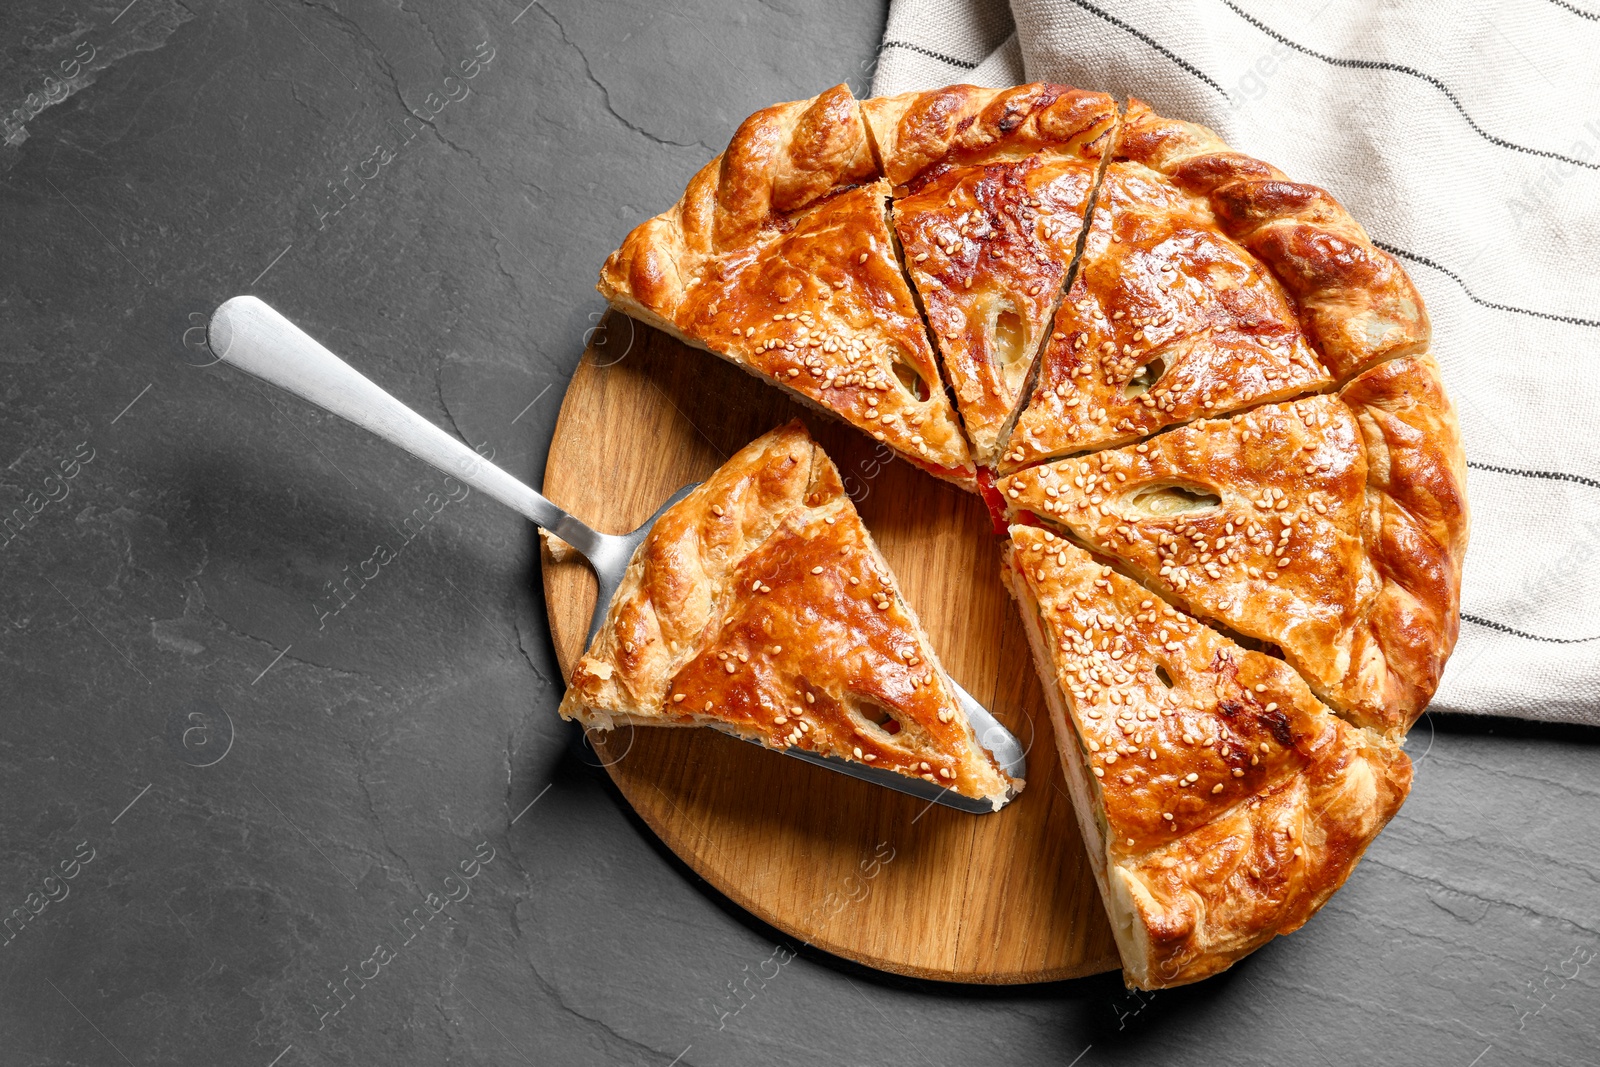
<point>224,782</point>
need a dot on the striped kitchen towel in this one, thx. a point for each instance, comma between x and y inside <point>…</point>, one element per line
<point>1435,123</point>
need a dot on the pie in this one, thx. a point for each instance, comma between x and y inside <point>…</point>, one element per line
<point>1201,406</point>
<point>1220,803</point>
<point>760,606</point>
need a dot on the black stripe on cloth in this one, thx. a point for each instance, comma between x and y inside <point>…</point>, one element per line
<point>930,53</point>
<point>1570,320</point>
<point>1554,476</point>
<point>1375,64</point>
<point>1578,11</point>
<point>1153,43</point>
<point>1521,633</point>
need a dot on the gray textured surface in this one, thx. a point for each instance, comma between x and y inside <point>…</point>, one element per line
<point>180,583</point>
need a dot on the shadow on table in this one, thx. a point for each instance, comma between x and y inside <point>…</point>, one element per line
<point>1520,729</point>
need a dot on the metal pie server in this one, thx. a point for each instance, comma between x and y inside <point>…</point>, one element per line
<point>248,334</point>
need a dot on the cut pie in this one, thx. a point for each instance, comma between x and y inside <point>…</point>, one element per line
<point>991,187</point>
<point>759,605</point>
<point>1180,360</point>
<point>779,259</point>
<point>1286,525</point>
<point>1221,804</point>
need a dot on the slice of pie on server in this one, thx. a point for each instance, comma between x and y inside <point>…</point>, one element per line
<point>1220,803</point>
<point>759,605</point>
<point>779,259</point>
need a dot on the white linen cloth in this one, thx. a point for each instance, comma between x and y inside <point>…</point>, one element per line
<point>1465,137</point>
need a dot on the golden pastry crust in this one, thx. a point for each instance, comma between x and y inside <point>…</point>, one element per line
<point>781,160</point>
<point>1415,528</point>
<point>1356,302</point>
<point>1221,803</point>
<point>1168,319</point>
<point>1276,524</point>
<point>989,238</point>
<point>759,605</point>
<point>917,134</point>
<point>779,259</point>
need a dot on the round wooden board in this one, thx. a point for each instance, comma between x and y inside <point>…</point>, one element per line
<point>875,876</point>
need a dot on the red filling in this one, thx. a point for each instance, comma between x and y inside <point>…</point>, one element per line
<point>934,469</point>
<point>993,500</point>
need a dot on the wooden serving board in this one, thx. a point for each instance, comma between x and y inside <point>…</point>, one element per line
<point>874,876</point>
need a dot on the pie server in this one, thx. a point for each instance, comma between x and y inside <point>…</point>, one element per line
<point>248,334</point>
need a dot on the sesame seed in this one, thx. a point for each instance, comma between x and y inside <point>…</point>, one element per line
<point>677,698</point>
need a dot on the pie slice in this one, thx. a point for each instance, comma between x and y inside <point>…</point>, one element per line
<point>1220,803</point>
<point>1330,529</point>
<point>779,259</point>
<point>1168,319</point>
<point>760,606</point>
<point>991,187</point>
<point>1356,302</point>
